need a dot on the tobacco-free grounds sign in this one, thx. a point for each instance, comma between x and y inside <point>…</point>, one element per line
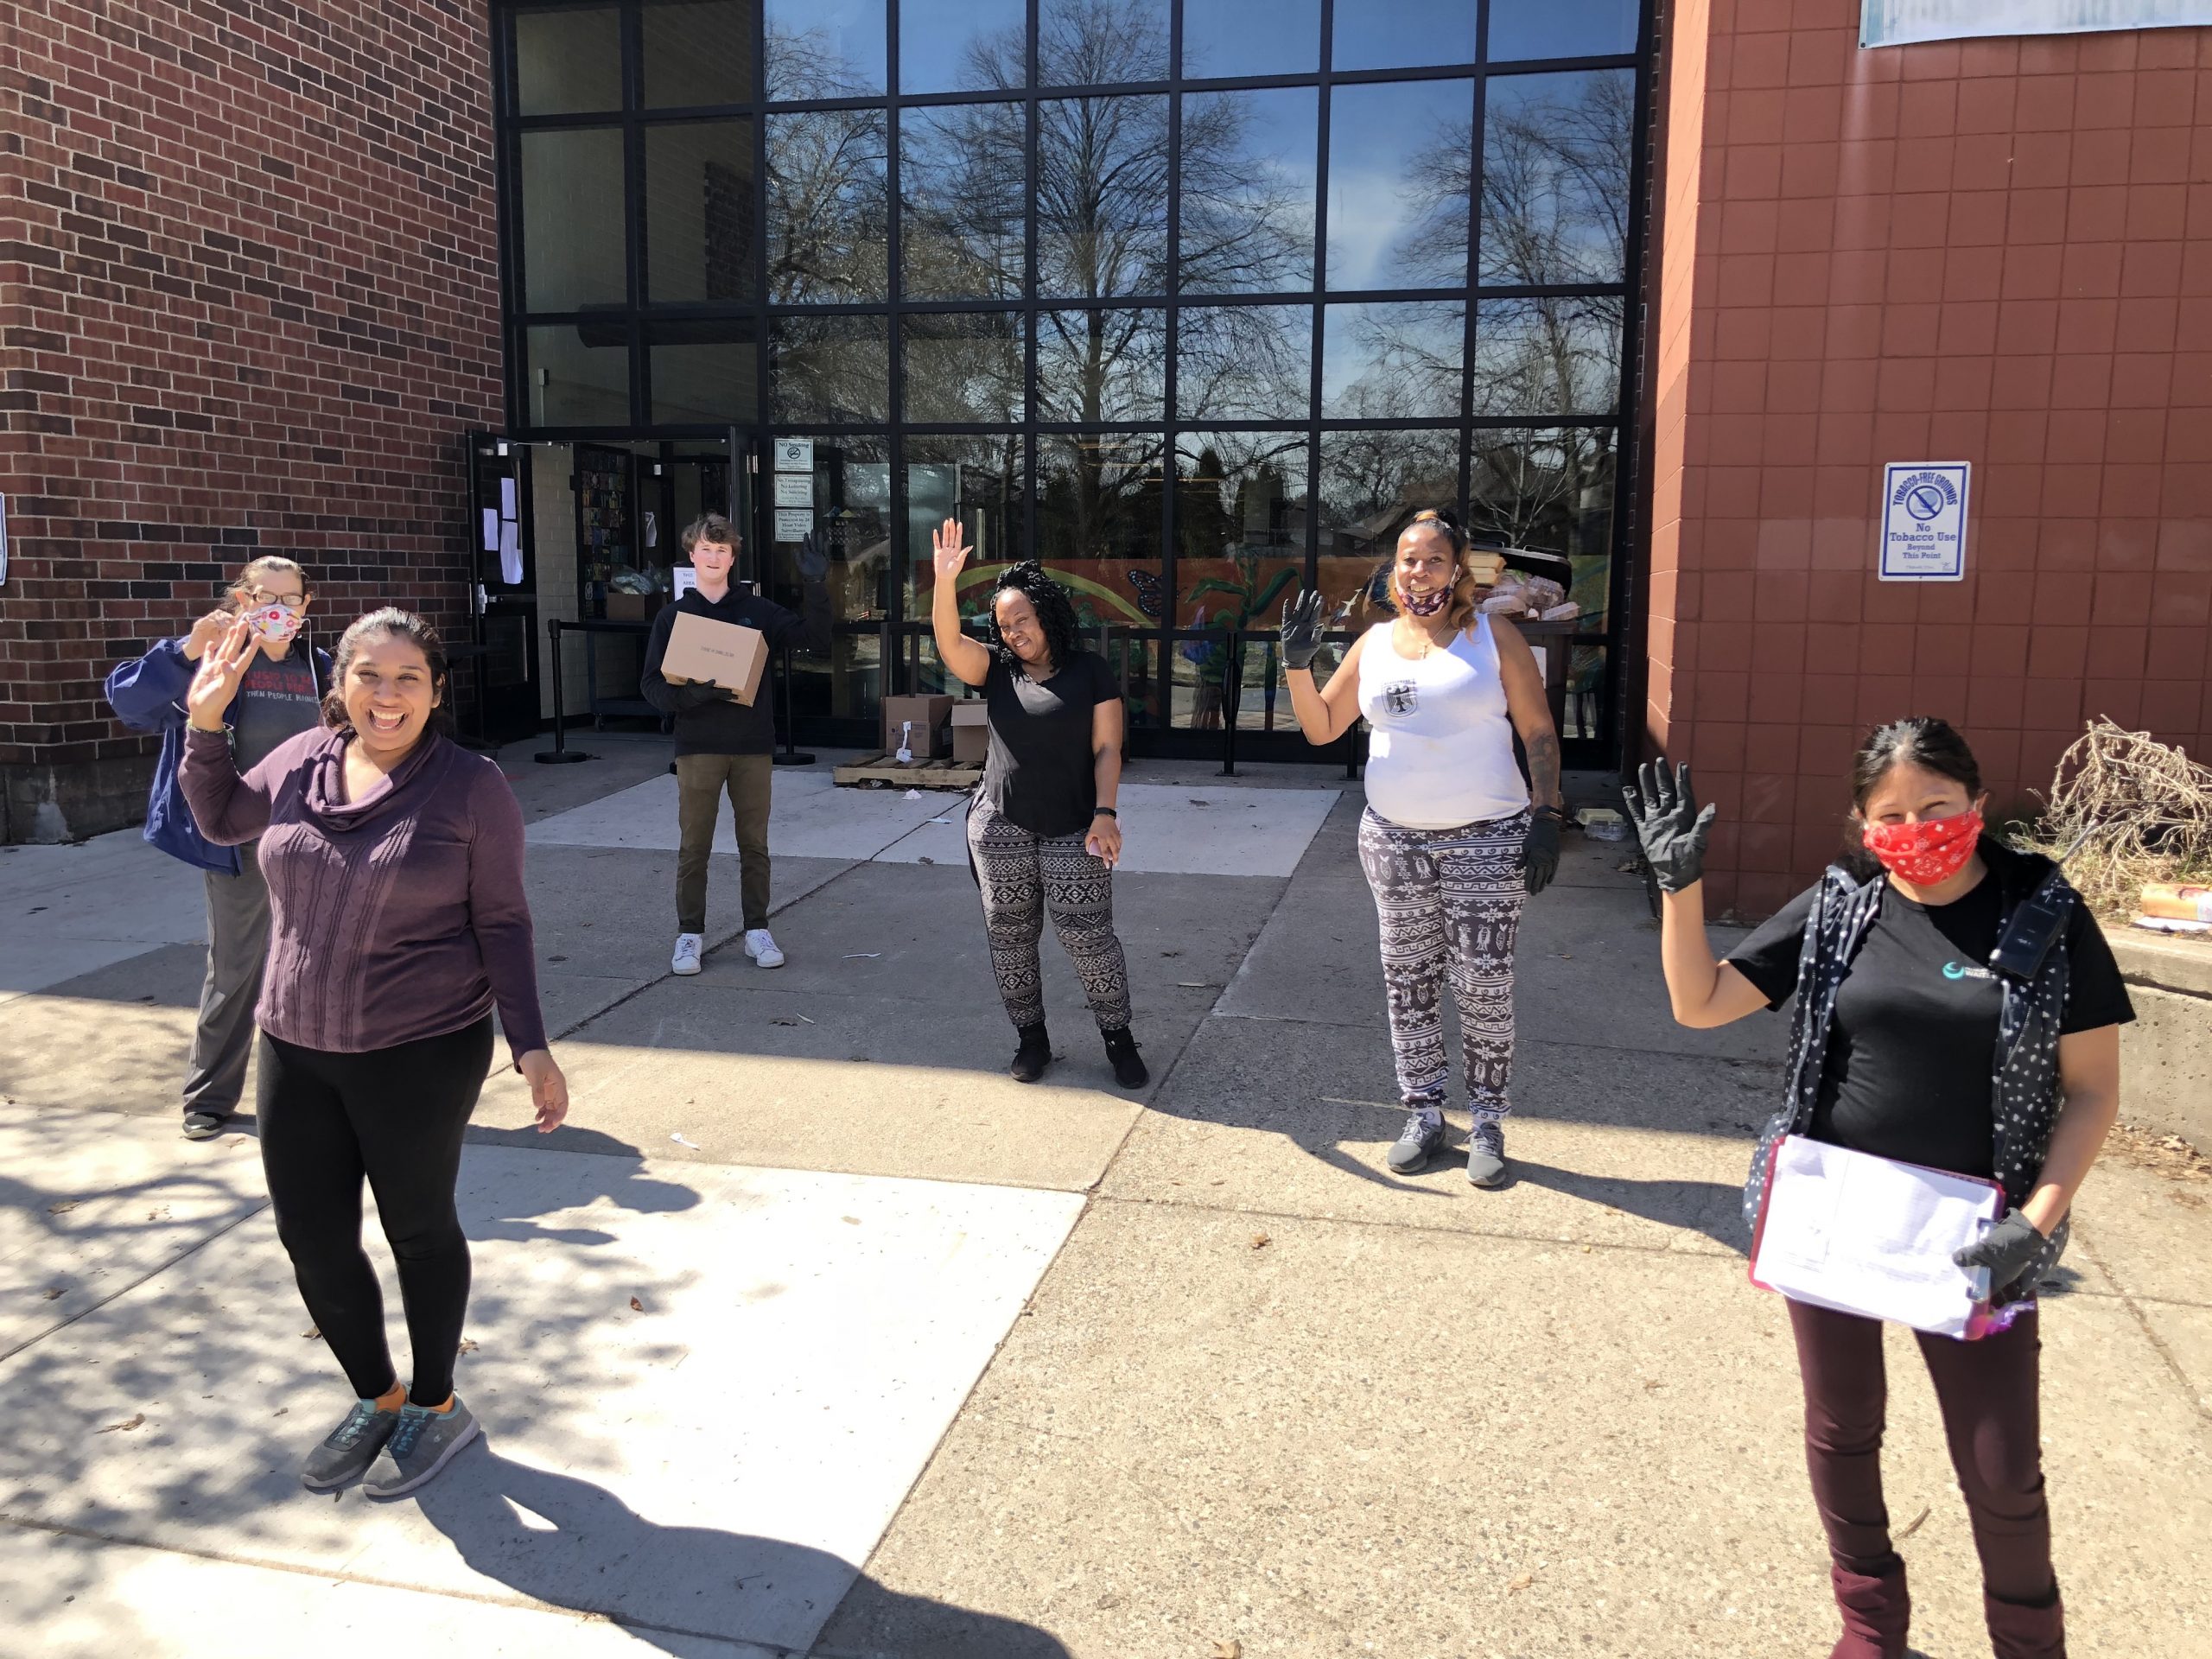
<point>1924,521</point>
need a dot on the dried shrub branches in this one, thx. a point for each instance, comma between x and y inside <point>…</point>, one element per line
<point>2146,807</point>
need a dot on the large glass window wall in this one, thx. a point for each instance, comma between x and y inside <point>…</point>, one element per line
<point>1197,300</point>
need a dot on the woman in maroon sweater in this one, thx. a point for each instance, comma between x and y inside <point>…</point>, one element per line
<point>397,924</point>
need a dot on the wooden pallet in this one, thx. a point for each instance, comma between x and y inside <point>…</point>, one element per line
<point>885,771</point>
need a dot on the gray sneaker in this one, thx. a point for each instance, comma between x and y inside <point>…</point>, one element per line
<point>1486,1154</point>
<point>423,1443</point>
<point>347,1451</point>
<point>1420,1140</point>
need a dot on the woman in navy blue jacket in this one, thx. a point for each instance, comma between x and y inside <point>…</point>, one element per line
<point>280,697</point>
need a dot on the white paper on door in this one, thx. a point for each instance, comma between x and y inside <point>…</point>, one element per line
<point>1865,1235</point>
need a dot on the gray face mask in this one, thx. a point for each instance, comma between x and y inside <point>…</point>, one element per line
<point>1426,604</point>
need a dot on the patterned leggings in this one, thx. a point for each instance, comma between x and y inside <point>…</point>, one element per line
<point>1022,876</point>
<point>1449,901</point>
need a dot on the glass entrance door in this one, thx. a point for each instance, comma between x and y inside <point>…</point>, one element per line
<point>504,600</point>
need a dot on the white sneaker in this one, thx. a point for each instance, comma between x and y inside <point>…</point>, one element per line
<point>761,945</point>
<point>686,959</point>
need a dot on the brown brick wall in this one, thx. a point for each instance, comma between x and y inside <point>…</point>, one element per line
<point>248,301</point>
<point>1997,251</point>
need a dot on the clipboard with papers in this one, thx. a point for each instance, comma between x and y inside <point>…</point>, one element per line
<point>1863,1235</point>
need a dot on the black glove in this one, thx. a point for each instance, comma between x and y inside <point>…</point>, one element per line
<point>1667,823</point>
<point>2006,1249</point>
<point>813,562</point>
<point>1539,850</point>
<point>1301,630</point>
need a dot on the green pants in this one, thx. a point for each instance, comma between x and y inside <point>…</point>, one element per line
<point>700,781</point>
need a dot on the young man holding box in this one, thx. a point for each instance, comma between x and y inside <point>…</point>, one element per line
<point>722,743</point>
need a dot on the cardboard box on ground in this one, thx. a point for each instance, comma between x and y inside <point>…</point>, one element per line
<point>919,724</point>
<point>717,653</point>
<point>971,732</point>
<point>634,608</point>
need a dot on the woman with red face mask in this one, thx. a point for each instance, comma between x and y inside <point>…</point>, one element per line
<point>1908,1045</point>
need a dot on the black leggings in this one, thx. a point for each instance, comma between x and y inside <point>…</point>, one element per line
<point>395,1115</point>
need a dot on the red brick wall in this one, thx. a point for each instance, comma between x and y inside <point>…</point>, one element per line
<point>1997,252</point>
<point>248,301</point>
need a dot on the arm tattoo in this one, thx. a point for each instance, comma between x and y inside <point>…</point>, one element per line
<point>1543,768</point>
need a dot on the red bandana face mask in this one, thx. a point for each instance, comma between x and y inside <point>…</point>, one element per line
<point>1926,853</point>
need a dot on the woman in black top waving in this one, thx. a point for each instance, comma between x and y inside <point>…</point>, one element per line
<point>1042,831</point>
<point>1908,1045</point>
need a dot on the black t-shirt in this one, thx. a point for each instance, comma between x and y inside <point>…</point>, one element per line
<point>1913,1048</point>
<point>1039,771</point>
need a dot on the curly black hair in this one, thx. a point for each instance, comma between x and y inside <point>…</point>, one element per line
<point>1055,610</point>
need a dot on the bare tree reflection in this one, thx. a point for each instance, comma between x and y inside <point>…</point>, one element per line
<point>829,215</point>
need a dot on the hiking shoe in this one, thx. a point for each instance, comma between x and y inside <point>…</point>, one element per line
<point>1486,1154</point>
<point>1128,1069</point>
<point>204,1126</point>
<point>686,959</point>
<point>348,1449</point>
<point>1033,1056</point>
<point>1419,1141</point>
<point>761,945</point>
<point>423,1443</point>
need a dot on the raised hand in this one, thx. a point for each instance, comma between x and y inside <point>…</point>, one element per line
<point>813,559</point>
<point>949,549</point>
<point>1667,822</point>
<point>1301,629</point>
<point>206,632</point>
<point>222,669</point>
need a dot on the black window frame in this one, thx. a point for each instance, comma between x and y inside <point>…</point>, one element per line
<point>639,313</point>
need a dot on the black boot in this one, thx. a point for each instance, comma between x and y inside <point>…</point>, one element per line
<point>1122,1050</point>
<point>1034,1054</point>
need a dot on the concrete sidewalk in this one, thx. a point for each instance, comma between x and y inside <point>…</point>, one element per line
<point>816,1334</point>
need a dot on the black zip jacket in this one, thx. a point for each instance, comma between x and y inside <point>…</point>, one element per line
<point>709,720</point>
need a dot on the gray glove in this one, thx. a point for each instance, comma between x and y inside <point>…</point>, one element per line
<point>1667,823</point>
<point>2006,1249</point>
<point>813,562</point>
<point>1301,630</point>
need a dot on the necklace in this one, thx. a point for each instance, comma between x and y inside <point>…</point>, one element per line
<point>1410,631</point>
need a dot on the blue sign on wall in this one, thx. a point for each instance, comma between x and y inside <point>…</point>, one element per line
<point>1898,23</point>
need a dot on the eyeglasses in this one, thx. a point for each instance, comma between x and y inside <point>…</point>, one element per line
<point>256,597</point>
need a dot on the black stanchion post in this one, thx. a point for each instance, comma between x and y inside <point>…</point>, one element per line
<point>789,754</point>
<point>1232,693</point>
<point>560,753</point>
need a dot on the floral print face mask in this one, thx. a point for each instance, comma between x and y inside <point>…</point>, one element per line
<point>1927,853</point>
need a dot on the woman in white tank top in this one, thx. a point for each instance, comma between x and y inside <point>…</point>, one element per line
<point>1453,838</point>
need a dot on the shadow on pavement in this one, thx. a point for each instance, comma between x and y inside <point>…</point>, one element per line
<point>1707,1207</point>
<point>549,1536</point>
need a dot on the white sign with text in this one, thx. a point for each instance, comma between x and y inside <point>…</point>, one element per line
<point>1900,22</point>
<point>794,489</point>
<point>1924,521</point>
<point>794,524</point>
<point>793,454</point>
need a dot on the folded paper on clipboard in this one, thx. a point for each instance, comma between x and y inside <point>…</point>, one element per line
<point>1863,1235</point>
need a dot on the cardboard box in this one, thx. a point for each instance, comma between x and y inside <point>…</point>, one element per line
<point>929,736</point>
<point>971,732</point>
<point>717,653</point>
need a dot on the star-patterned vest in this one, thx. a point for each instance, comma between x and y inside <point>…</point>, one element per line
<point>2023,1069</point>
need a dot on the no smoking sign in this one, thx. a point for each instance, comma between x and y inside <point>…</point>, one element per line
<point>1924,521</point>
